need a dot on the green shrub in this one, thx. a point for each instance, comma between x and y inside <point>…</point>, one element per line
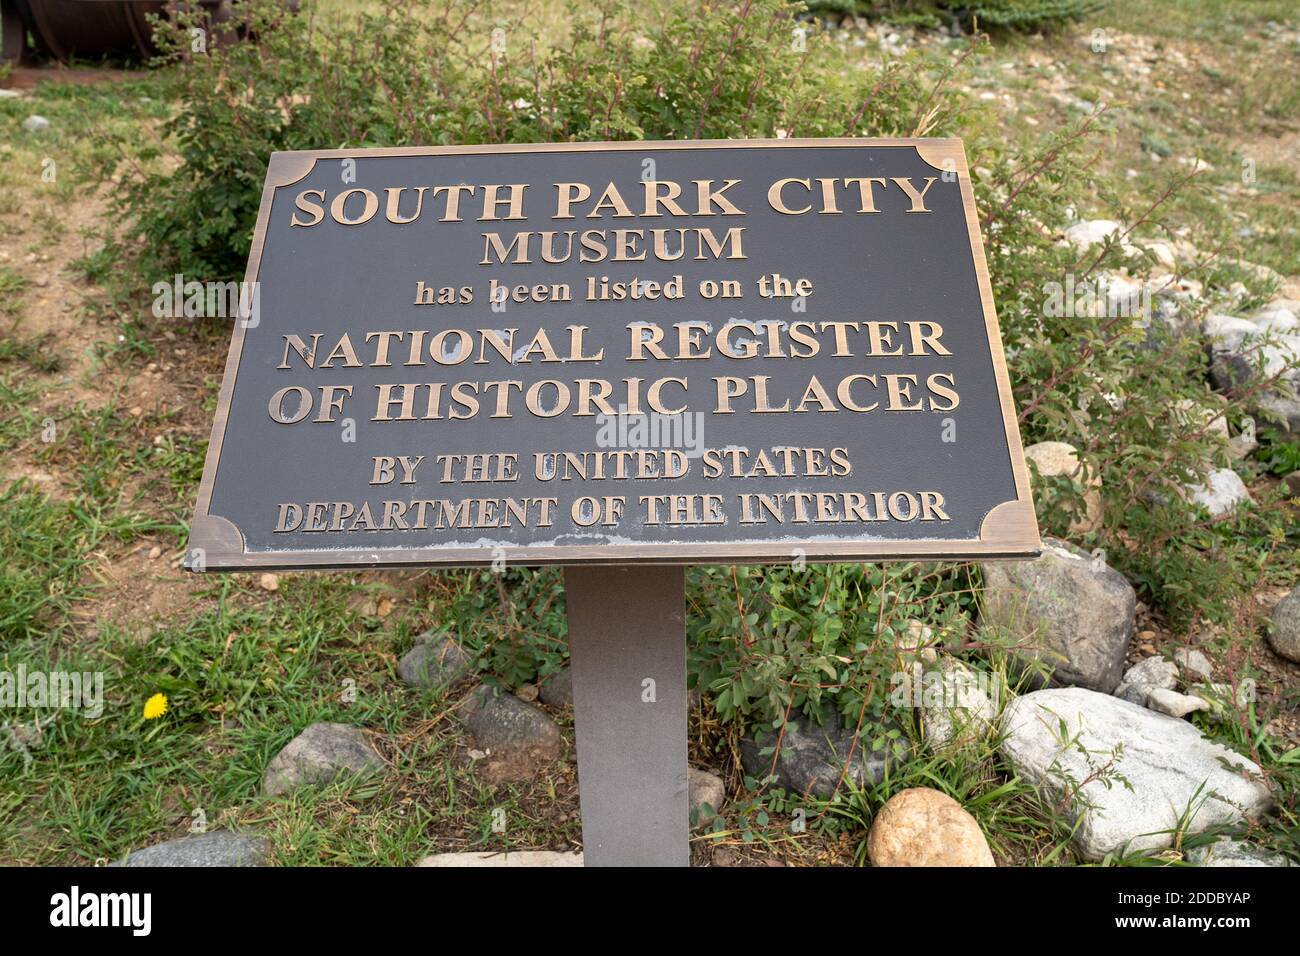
<point>1108,386</point>
<point>414,75</point>
<point>1002,14</point>
<point>777,642</point>
<point>512,621</point>
<point>766,643</point>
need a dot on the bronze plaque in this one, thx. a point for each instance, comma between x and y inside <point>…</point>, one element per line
<point>680,353</point>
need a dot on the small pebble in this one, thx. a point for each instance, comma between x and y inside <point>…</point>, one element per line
<point>1194,663</point>
<point>725,856</point>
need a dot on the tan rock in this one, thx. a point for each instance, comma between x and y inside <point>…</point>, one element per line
<point>1054,458</point>
<point>707,795</point>
<point>923,827</point>
<point>1163,253</point>
<point>918,643</point>
<point>517,859</point>
<point>1189,414</point>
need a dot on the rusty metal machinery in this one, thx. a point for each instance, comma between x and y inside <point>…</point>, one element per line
<point>62,29</point>
<point>13,33</point>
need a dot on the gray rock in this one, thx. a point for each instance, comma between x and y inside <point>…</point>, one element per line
<point>812,756</point>
<point>9,94</point>
<point>35,124</point>
<point>1285,636</point>
<point>1276,317</point>
<point>1234,853</point>
<point>961,712</point>
<point>218,848</point>
<point>1153,672</point>
<point>557,689</point>
<point>433,663</point>
<point>1226,334</point>
<point>1091,232</point>
<point>518,737</point>
<point>1133,693</point>
<point>1222,492</point>
<point>1142,678</point>
<point>1246,351</point>
<point>1070,611</point>
<point>1166,308</point>
<point>1174,704</point>
<point>1169,767</point>
<point>707,795</point>
<point>1281,410</point>
<point>1224,699</point>
<point>318,755</point>
<point>1292,482</point>
<point>1162,251</point>
<point>1241,446</point>
<point>1194,665</point>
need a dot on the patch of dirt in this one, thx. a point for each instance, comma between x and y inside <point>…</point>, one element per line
<point>1281,150</point>
<point>143,586</point>
<point>165,396</point>
<point>43,481</point>
<point>53,308</point>
<point>29,77</point>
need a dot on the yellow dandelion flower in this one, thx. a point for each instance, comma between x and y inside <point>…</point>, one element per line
<point>155,706</point>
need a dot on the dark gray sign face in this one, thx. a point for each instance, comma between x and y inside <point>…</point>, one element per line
<point>712,352</point>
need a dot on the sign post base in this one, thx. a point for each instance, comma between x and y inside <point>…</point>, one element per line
<point>627,648</point>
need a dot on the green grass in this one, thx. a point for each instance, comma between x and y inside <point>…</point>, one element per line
<point>36,354</point>
<point>19,420</point>
<point>1224,107</point>
<point>1213,21</point>
<point>243,677</point>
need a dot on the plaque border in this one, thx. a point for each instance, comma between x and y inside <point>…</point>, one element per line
<point>1008,530</point>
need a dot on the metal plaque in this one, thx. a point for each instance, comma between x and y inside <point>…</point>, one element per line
<point>671,353</point>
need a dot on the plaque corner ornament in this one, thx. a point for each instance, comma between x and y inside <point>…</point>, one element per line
<point>1011,530</point>
<point>213,539</point>
<point>286,167</point>
<point>947,154</point>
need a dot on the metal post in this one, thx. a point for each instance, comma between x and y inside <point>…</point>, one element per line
<point>627,647</point>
